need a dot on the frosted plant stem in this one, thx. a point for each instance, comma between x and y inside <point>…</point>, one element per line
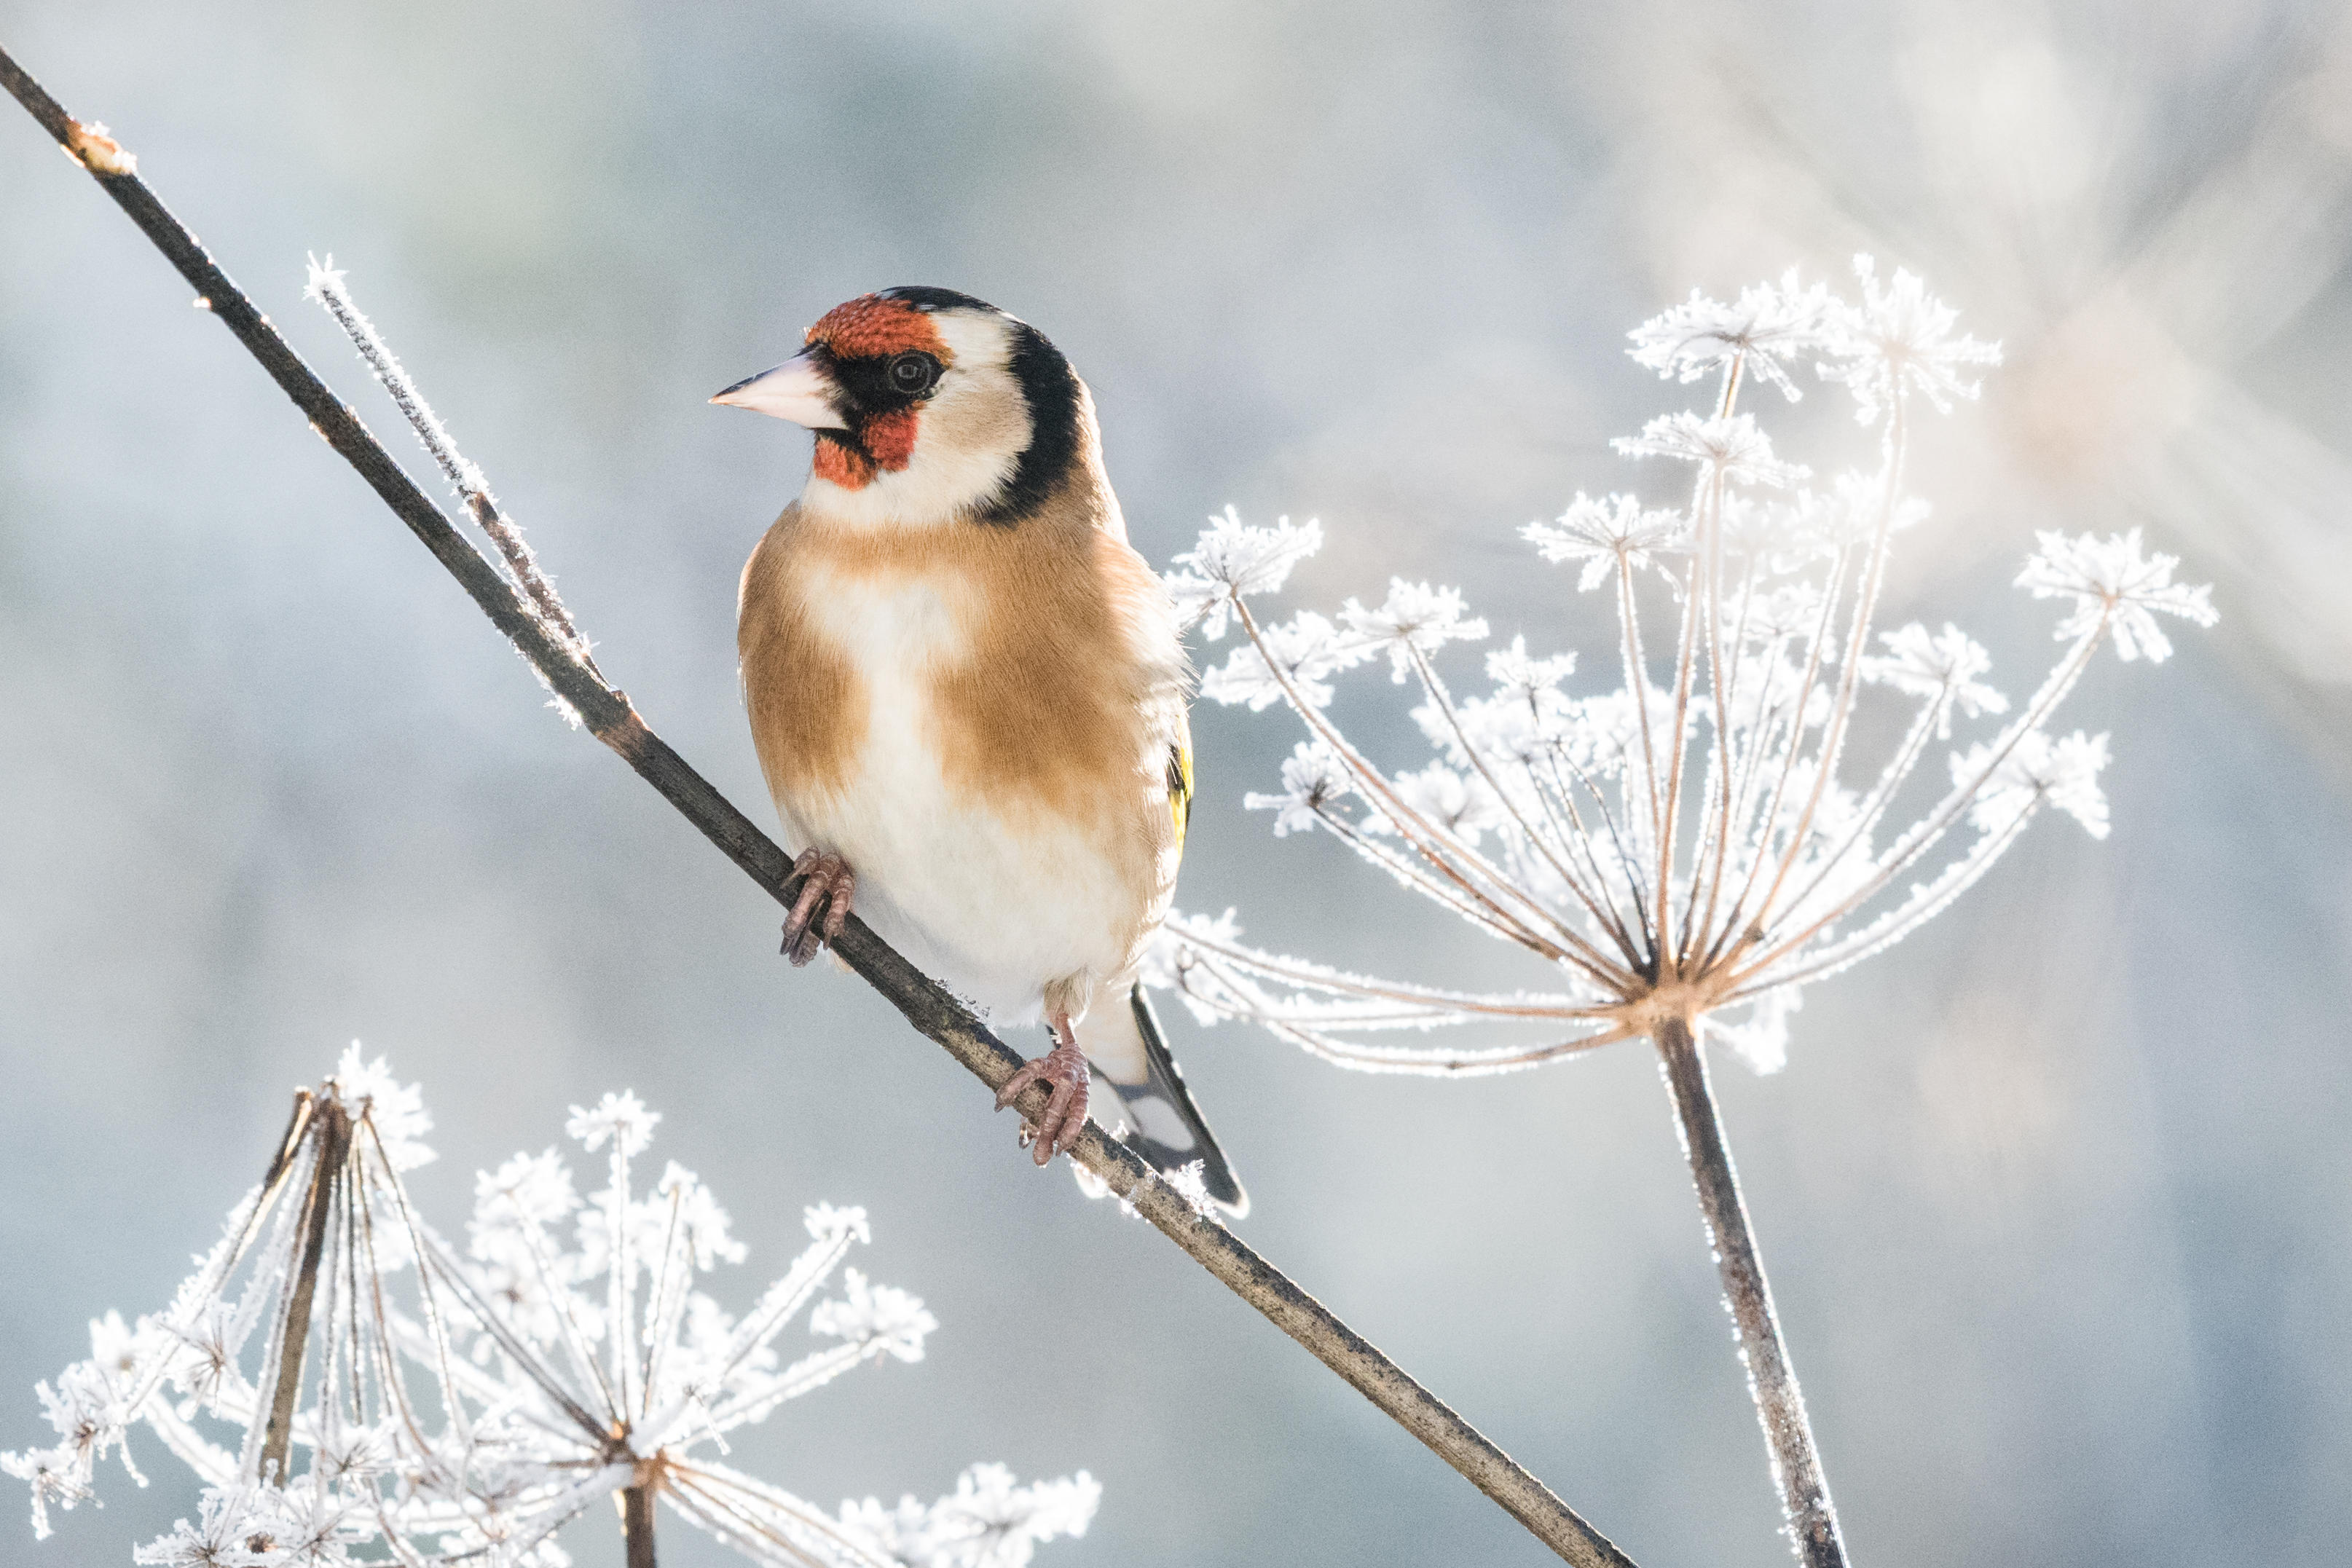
<point>1865,606</point>
<point>1443,701</point>
<point>1438,845</point>
<point>636,1504</point>
<point>462,476</point>
<point>929,1008</point>
<point>1739,923</point>
<point>1779,1403</point>
<point>1637,681</point>
<point>1668,957</point>
<point>331,1127</point>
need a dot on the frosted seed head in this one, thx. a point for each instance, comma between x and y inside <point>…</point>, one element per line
<point>2115,581</point>
<point>882,1316</point>
<point>989,1522</point>
<point>621,1117</point>
<point>1901,339</point>
<point>1313,778</point>
<point>1413,619</point>
<point>563,1365</point>
<point>1538,810</point>
<point>827,1224</point>
<point>1942,667</point>
<point>396,1110</point>
<point>1768,328</point>
<point>1231,560</point>
<point>1303,652</point>
<point>2035,770</point>
<point>1612,532</point>
<point>1462,803</point>
<point>1520,677</point>
<point>1734,448</point>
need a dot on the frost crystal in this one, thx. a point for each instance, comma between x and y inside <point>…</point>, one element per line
<point>1464,806</point>
<point>1192,1183</point>
<point>464,1408</point>
<point>1767,326</point>
<point>1291,661</point>
<point>1608,536</point>
<point>1942,667</point>
<point>2064,773</point>
<point>2110,579</point>
<point>1696,833</point>
<point>397,1111</point>
<point>1311,780</point>
<point>616,1116</point>
<point>988,1521</point>
<point>1732,447</point>
<point>1901,340</point>
<point>1233,560</point>
<point>1412,623</point>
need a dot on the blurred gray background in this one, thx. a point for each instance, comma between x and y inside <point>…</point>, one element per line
<point>2056,1196</point>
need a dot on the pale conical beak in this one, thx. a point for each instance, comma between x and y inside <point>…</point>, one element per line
<point>798,390</point>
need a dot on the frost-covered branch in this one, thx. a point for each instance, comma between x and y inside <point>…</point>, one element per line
<point>326,286</point>
<point>607,713</point>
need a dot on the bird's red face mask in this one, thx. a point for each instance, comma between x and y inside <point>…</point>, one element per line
<point>861,384</point>
<point>930,408</point>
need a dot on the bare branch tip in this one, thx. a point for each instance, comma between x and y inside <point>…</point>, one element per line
<point>101,155</point>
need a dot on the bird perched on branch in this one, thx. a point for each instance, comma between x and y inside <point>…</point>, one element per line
<point>968,694</point>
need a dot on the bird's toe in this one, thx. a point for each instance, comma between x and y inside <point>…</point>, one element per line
<point>818,914</point>
<point>1063,1071</point>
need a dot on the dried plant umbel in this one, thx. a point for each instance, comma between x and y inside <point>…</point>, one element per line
<point>462,1404</point>
<point>1688,854</point>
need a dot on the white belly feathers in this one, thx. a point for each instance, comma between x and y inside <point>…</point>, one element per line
<point>996,907</point>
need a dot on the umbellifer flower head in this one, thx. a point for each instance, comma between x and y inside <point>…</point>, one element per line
<point>1693,834</point>
<point>462,1405</point>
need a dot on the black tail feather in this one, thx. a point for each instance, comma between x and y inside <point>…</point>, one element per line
<point>1163,1093</point>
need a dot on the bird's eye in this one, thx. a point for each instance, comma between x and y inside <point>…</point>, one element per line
<point>913,373</point>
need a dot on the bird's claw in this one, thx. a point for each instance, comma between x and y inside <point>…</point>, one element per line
<point>828,885</point>
<point>1063,1068</point>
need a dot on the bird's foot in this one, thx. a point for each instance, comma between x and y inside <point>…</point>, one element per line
<point>1063,1068</point>
<point>827,889</point>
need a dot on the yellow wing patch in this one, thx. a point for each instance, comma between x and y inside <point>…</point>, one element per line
<point>1180,791</point>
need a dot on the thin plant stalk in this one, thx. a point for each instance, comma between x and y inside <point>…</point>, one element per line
<point>637,1505</point>
<point>330,1129</point>
<point>1780,1402</point>
<point>607,713</point>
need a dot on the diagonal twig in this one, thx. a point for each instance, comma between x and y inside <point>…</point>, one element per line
<point>467,478</point>
<point>607,713</point>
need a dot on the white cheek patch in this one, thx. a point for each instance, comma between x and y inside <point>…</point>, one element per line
<point>968,441</point>
<point>976,342</point>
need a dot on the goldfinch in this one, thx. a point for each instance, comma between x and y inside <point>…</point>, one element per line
<point>967,692</point>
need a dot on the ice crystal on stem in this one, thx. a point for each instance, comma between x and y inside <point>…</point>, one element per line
<point>1691,840</point>
<point>349,1387</point>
